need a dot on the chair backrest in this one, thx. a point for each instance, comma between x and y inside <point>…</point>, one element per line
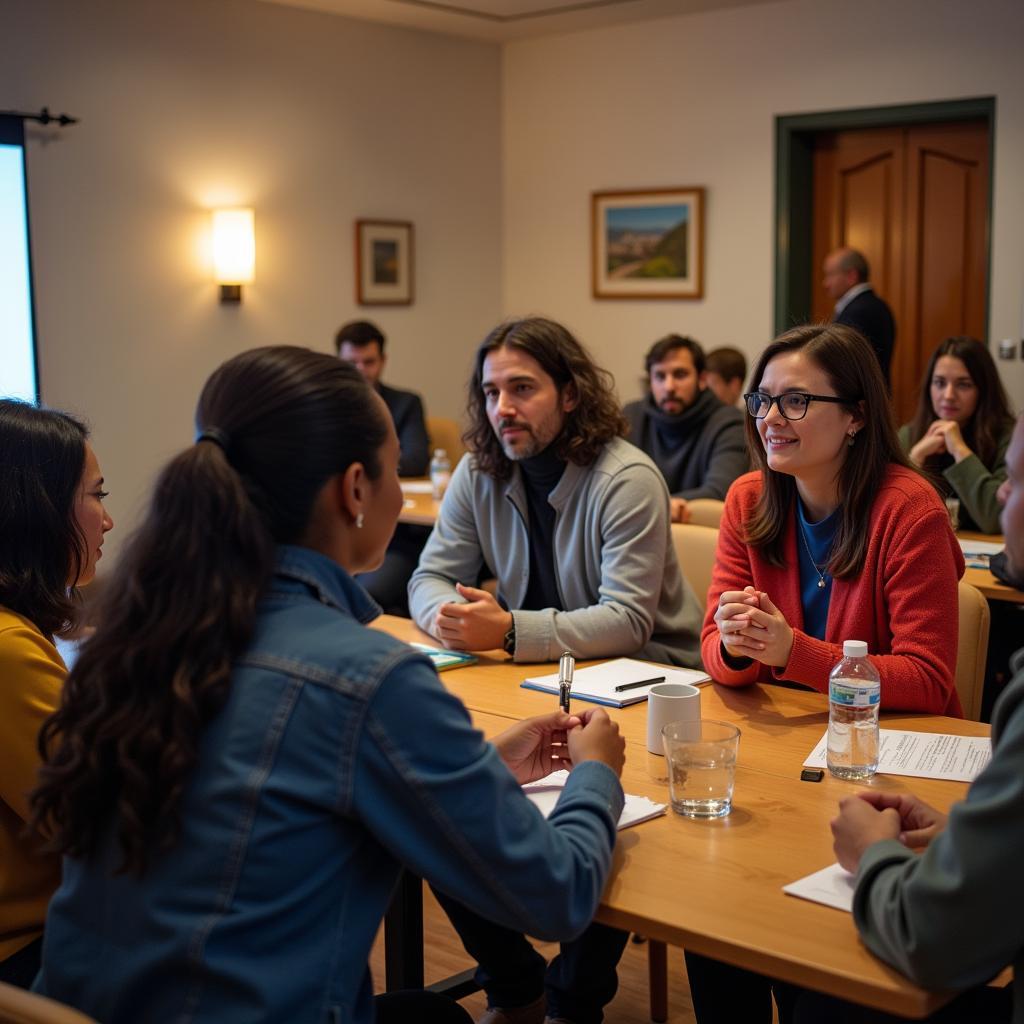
<point>20,1007</point>
<point>705,512</point>
<point>695,548</point>
<point>447,434</point>
<point>972,651</point>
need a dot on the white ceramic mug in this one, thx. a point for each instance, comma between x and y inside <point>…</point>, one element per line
<point>670,702</point>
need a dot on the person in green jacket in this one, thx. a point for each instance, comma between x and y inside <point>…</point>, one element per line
<point>939,897</point>
<point>961,430</point>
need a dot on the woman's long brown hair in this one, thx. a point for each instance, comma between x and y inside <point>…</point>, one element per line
<point>991,419</point>
<point>853,371</point>
<point>182,603</point>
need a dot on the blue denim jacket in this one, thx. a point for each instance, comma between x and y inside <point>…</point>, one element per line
<point>338,757</point>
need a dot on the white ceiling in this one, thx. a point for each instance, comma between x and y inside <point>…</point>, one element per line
<point>509,19</point>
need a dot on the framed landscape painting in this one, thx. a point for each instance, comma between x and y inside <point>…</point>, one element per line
<point>383,262</point>
<point>648,245</point>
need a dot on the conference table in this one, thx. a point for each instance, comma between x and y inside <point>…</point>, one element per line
<point>715,886</point>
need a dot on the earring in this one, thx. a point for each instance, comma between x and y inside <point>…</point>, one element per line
<point>359,520</point>
<point>851,438</point>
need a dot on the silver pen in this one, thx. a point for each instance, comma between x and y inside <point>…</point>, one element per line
<point>566,667</point>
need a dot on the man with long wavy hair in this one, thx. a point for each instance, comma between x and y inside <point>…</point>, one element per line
<point>574,522</point>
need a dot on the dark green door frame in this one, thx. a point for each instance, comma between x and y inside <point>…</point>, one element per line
<point>794,198</point>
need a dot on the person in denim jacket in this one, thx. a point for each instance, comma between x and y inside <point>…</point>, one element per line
<point>240,768</point>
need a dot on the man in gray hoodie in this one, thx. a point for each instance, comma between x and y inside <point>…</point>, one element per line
<point>574,522</point>
<point>571,519</point>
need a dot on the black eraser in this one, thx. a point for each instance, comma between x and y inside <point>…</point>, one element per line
<point>812,775</point>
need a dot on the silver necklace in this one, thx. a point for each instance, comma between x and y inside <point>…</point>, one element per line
<point>807,548</point>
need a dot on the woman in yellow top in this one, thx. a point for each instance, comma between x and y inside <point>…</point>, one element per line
<point>52,523</point>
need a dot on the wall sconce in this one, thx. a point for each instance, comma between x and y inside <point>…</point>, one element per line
<point>234,251</point>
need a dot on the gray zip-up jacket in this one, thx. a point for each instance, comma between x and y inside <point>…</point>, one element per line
<point>615,566</point>
<point>953,917</point>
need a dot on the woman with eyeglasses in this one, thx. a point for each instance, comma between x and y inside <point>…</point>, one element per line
<point>833,537</point>
<point>961,430</point>
<point>52,524</point>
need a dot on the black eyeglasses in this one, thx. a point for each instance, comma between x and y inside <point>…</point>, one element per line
<point>793,404</point>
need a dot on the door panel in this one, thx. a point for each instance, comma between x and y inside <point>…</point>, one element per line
<point>858,201</point>
<point>913,199</point>
<point>946,259</point>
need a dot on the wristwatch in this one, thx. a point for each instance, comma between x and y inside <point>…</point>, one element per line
<point>509,643</point>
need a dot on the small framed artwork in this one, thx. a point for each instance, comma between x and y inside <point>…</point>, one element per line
<point>384,262</point>
<point>648,245</point>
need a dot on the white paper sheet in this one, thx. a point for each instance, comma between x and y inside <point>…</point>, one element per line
<point>544,794</point>
<point>980,547</point>
<point>978,552</point>
<point>832,886</point>
<point>417,487</point>
<point>597,683</point>
<point>923,755</point>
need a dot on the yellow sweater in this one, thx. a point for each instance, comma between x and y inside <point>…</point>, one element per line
<point>31,676</point>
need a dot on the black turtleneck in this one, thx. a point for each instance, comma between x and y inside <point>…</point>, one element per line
<point>541,474</point>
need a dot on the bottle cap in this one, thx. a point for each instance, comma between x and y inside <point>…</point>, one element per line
<point>439,453</point>
<point>855,649</point>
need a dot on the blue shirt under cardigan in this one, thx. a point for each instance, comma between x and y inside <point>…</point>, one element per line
<point>338,757</point>
<point>819,537</point>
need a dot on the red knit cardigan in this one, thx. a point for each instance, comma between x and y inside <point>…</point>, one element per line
<point>903,603</point>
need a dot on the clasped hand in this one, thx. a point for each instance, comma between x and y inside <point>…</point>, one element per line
<point>536,747</point>
<point>942,434</point>
<point>478,625</point>
<point>752,627</point>
<point>867,818</point>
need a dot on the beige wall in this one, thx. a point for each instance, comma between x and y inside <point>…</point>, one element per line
<point>314,120</point>
<point>691,101</point>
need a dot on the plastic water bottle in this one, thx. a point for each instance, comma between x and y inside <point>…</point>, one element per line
<point>440,473</point>
<point>854,689</point>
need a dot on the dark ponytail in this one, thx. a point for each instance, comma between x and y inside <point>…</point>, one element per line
<point>274,425</point>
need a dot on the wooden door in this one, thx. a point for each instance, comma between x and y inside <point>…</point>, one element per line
<point>914,200</point>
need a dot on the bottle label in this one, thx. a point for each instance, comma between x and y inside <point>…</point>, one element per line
<point>854,696</point>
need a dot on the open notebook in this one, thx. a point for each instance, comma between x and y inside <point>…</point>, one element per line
<point>597,683</point>
<point>544,794</point>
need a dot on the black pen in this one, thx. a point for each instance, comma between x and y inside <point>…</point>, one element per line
<point>566,667</point>
<point>643,682</point>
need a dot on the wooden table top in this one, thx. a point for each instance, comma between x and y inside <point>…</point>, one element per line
<point>715,887</point>
<point>418,509</point>
<point>983,579</point>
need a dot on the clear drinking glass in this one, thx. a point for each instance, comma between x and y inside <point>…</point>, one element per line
<point>701,767</point>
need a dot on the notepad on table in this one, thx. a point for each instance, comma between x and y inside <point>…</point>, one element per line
<point>444,659</point>
<point>597,683</point>
<point>544,794</point>
<point>832,886</point>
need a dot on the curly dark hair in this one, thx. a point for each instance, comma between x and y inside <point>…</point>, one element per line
<point>274,425</point>
<point>42,551</point>
<point>595,419</point>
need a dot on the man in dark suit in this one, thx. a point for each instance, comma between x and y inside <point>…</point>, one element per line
<point>361,343</point>
<point>846,281</point>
